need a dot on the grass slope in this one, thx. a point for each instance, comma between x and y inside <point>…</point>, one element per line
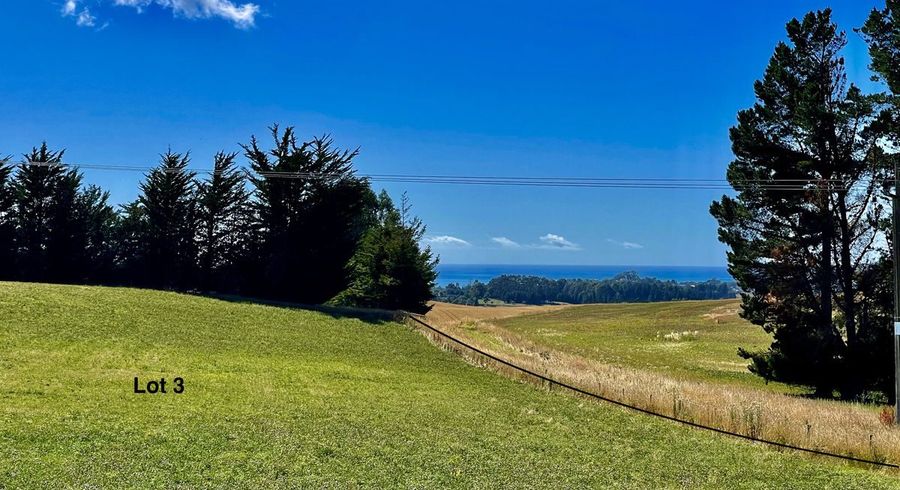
<point>634,335</point>
<point>284,398</point>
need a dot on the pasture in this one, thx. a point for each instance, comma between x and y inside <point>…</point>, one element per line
<point>277,398</point>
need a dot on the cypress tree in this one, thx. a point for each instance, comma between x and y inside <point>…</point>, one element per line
<point>129,246</point>
<point>390,269</point>
<point>7,225</point>
<point>310,212</point>
<point>97,222</point>
<point>804,225</point>
<point>167,201</point>
<point>35,186</point>
<point>222,221</point>
<point>882,33</point>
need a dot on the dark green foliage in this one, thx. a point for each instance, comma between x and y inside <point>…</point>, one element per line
<point>167,245</point>
<point>128,236</point>
<point>223,220</point>
<point>35,188</point>
<point>803,257</point>
<point>7,223</point>
<point>311,211</point>
<point>627,287</point>
<point>882,33</point>
<point>390,269</point>
<point>291,239</point>
<point>90,236</point>
<point>61,229</point>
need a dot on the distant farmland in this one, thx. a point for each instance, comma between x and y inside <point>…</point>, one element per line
<point>679,359</point>
<point>695,340</point>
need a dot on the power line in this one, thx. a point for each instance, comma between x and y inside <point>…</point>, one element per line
<point>788,184</point>
<point>590,394</point>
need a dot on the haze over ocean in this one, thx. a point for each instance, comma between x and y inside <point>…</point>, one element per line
<point>466,273</point>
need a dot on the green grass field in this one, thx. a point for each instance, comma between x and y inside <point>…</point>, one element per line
<point>634,335</point>
<point>276,397</point>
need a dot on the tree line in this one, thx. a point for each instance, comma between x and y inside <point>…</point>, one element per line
<point>298,226</point>
<point>808,228</point>
<point>627,287</point>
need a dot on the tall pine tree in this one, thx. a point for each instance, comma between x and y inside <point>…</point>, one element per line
<point>310,211</point>
<point>804,226</point>
<point>222,224</point>
<point>36,185</point>
<point>62,229</point>
<point>129,247</point>
<point>97,221</point>
<point>7,224</point>
<point>882,33</point>
<point>168,249</point>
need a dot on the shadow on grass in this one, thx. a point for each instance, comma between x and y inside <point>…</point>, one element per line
<point>368,315</point>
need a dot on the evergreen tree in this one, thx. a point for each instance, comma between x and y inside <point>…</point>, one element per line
<point>222,221</point>
<point>128,244</point>
<point>390,270</point>
<point>62,231</point>
<point>801,255</point>
<point>882,33</point>
<point>7,225</point>
<point>168,248</point>
<point>97,222</point>
<point>35,186</point>
<point>310,212</point>
<point>66,255</point>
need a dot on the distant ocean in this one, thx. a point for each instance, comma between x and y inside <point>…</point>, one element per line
<point>466,273</point>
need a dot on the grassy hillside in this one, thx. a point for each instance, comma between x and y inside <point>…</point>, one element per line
<point>652,336</point>
<point>284,398</point>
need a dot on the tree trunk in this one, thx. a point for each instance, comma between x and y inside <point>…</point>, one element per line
<point>827,302</point>
<point>850,383</point>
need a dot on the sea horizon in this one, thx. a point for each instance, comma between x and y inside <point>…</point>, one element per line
<point>467,273</point>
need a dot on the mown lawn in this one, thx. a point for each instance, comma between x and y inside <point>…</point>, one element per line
<point>276,397</point>
<point>635,335</point>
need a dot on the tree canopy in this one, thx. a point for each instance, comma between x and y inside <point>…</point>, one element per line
<point>627,287</point>
<point>297,225</point>
<point>805,230</point>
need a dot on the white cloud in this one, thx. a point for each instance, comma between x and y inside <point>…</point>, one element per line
<point>627,245</point>
<point>447,240</point>
<point>83,17</point>
<point>556,241</point>
<point>243,15</point>
<point>69,8</point>
<point>505,242</point>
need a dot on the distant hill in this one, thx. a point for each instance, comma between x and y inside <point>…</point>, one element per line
<point>627,287</point>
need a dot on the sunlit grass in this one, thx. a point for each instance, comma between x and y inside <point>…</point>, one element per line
<point>692,340</point>
<point>287,398</point>
<point>634,354</point>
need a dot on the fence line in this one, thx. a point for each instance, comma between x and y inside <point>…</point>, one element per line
<point>589,394</point>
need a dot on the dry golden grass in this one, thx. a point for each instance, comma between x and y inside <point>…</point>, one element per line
<point>840,427</point>
<point>449,314</point>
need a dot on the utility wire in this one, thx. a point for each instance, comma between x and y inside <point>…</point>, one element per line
<point>590,394</point>
<point>563,182</point>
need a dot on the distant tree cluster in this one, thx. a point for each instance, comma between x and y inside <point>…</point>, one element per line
<point>808,227</point>
<point>299,227</point>
<point>627,287</point>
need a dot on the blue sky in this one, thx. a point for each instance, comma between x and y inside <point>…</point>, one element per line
<point>505,88</point>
